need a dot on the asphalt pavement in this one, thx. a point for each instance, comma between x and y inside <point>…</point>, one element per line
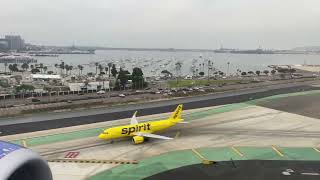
<point>45,121</point>
<point>247,170</point>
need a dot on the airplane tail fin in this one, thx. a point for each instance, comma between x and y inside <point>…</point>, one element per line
<point>176,115</point>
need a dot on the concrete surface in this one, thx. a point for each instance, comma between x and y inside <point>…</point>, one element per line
<point>248,170</point>
<point>45,121</point>
<point>235,125</point>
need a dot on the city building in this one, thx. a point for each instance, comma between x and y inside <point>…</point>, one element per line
<point>4,45</point>
<point>15,42</point>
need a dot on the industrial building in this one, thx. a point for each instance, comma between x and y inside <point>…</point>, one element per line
<point>15,42</point>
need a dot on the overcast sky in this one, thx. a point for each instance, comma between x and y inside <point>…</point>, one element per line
<point>164,23</point>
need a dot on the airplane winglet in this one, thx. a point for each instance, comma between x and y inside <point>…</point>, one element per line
<point>134,119</point>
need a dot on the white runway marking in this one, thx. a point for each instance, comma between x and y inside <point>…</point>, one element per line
<point>310,174</point>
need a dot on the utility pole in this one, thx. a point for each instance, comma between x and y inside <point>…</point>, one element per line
<point>178,71</point>
<point>228,68</point>
<point>209,68</point>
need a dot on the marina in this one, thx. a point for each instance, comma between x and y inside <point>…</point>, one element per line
<point>166,61</point>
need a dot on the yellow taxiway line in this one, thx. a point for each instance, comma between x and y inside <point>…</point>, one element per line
<point>316,149</point>
<point>177,135</point>
<point>203,159</point>
<point>24,143</point>
<point>198,154</point>
<point>277,151</point>
<point>237,151</point>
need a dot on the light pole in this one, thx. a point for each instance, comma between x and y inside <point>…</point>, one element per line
<point>209,68</point>
<point>228,68</point>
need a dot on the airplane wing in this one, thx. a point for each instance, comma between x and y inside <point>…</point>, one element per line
<point>134,119</point>
<point>151,135</point>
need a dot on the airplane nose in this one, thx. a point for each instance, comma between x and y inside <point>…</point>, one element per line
<point>102,136</point>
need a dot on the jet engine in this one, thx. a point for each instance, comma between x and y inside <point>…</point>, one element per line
<point>138,139</point>
<point>17,162</point>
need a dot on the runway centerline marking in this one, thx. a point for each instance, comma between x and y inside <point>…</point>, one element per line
<point>237,151</point>
<point>277,151</point>
<point>310,174</point>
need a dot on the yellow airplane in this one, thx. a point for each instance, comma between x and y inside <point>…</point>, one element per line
<point>140,131</point>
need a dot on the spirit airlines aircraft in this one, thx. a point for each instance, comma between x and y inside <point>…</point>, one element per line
<point>140,131</point>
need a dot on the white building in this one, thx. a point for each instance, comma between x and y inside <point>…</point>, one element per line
<point>96,85</point>
<point>45,77</point>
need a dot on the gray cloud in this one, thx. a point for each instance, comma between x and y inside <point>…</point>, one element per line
<point>164,23</point>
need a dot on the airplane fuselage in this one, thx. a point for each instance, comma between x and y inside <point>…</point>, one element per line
<point>139,131</point>
<point>130,130</point>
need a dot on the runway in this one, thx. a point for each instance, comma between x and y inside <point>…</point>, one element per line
<point>45,121</point>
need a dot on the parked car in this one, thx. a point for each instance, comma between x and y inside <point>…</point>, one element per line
<point>101,92</point>
<point>35,100</point>
<point>122,95</point>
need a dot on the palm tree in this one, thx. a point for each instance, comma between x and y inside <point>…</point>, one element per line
<point>5,67</point>
<point>96,64</point>
<point>178,70</point>
<point>62,66</point>
<point>11,68</point>
<point>109,65</point>
<point>45,68</point>
<point>100,68</point>
<point>70,69</point>
<point>41,67</point>
<point>15,67</point>
<point>56,66</point>
<point>209,69</point>
<point>25,66</point>
<point>80,67</point>
<point>106,69</point>
<point>67,68</point>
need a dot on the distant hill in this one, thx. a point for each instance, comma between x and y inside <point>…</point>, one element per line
<point>307,48</point>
